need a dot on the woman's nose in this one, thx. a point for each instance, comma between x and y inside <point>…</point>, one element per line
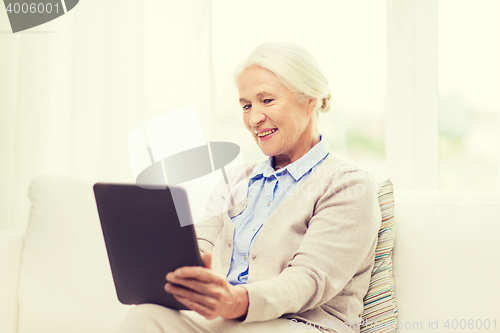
<point>256,117</point>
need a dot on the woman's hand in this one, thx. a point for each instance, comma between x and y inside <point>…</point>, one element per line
<point>206,292</point>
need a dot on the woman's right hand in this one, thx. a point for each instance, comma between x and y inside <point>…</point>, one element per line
<point>207,292</point>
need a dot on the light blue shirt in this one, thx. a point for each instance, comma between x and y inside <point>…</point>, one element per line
<point>267,188</point>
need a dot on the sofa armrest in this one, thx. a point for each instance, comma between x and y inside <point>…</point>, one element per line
<point>11,247</point>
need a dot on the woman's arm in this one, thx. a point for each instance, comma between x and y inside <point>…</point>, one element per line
<point>207,232</point>
<point>221,202</point>
<point>339,239</point>
<point>209,229</point>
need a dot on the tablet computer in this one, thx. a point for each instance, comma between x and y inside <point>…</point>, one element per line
<point>145,240</point>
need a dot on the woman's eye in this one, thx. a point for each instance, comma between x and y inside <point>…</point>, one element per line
<point>268,100</point>
<point>247,106</point>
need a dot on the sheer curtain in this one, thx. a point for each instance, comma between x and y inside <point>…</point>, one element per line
<point>73,89</point>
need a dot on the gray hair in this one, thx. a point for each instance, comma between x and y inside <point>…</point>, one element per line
<point>295,67</point>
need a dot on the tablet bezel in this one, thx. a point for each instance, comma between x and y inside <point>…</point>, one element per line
<point>138,224</point>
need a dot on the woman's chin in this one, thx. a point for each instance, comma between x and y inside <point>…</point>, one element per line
<point>267,152</point>
<point>268,148</point>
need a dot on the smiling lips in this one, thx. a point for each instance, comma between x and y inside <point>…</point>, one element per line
<point>266,133</point>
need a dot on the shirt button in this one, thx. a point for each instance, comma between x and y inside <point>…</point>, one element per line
<point>244,257</point>
<point>268,203</point>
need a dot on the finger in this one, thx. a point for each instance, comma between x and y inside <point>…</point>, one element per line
<point>170,287</point>
<point>192,284</point>
<point>207,301</point>
<point>195,285</point>
<point>199,273</point>
<point>184,301</point>
<point>202,310</point>
<point>207,259</point>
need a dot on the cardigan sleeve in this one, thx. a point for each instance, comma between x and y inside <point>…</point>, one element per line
<point>207,232</point>
<point>222,202</point>
<point>209,229</point>
<point>338,241</point>
<point>211,225</point>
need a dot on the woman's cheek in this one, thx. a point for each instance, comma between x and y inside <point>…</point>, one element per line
<point>245,121</point>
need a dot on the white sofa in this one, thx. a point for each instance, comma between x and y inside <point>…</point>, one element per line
<point>55,276</point>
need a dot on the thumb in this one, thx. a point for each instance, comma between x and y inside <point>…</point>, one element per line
<point>207,259</point>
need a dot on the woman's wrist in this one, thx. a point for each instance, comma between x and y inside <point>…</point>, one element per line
<point>241,304</point>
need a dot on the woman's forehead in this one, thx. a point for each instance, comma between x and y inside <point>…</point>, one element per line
<point>258,81</point>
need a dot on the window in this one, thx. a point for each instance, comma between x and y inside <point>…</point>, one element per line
<point>469,90</point>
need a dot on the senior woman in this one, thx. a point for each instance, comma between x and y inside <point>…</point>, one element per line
<point>298,252</point>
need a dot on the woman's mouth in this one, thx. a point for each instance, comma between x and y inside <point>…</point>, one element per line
<point>267,134</point>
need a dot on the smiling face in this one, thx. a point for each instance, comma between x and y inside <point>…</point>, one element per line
<point>282,125</point>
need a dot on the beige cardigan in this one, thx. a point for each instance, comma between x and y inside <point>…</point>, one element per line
<point>313,257</point>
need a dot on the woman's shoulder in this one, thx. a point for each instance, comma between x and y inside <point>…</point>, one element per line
<point>336,167</point>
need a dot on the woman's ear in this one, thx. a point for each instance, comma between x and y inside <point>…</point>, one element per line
<point>311,106</point>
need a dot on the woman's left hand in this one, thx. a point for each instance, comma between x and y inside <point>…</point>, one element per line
<point>206,292</point>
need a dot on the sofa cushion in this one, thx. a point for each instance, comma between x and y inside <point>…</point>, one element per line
<point>65,281</point>
<point>11,247</point>
<point>380,312</point>
<point>446,267</point>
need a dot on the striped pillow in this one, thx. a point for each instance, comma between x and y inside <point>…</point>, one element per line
<point>380,313</point>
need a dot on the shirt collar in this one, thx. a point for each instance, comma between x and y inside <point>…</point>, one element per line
<point>298,168</point>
